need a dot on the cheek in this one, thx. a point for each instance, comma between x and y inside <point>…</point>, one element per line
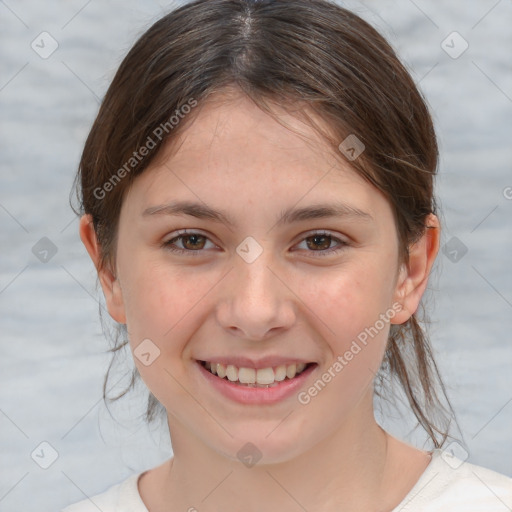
<point>159,301</point>
<point>347,308</point>
<point>165,306</point>
<point>347,301</point>
<point>353,307</point>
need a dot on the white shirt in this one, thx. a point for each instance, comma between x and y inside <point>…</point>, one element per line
<point>447,485</point>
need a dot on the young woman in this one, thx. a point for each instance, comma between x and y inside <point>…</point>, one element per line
<point>257,197</point>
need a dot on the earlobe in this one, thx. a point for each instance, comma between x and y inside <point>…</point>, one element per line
<point>109,283</point>
<point>413,277</point>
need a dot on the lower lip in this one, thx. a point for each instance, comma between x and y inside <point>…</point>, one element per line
<point>246,395</point>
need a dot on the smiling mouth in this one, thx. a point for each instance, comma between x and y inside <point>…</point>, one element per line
<point>256,378</point>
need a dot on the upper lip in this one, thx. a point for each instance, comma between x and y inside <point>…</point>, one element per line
<point>264,362</point>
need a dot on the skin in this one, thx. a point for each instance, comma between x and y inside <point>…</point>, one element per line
<point>324,456</point>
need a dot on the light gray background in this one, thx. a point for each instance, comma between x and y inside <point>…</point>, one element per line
<point>52,349</point>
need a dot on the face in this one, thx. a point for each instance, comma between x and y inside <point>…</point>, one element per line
<point>254,286</point>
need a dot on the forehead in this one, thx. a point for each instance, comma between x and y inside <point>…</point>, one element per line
<point>230,124</point>
<point>234,153</point>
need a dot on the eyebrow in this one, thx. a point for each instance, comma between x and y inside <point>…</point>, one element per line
<point>289,216</point>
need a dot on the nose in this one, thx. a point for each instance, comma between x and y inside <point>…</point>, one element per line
<point>255,302</point>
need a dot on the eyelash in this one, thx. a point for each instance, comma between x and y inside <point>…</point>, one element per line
<point>184,234</point>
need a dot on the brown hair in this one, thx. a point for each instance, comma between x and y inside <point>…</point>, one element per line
<point>310,53</point>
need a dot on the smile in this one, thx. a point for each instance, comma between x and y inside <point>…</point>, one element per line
<point>252,377</point>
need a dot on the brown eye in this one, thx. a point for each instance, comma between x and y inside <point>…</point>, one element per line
<point>321,242</point>
<point>188,243</point>
<point>196,241</point>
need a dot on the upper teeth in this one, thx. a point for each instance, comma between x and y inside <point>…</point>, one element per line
<point>255,376</point>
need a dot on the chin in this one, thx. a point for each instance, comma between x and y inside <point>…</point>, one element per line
<point>255,447</point>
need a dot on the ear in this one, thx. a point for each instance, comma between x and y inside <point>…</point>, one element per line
<point>413,277</point>
<point>109,283</point>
